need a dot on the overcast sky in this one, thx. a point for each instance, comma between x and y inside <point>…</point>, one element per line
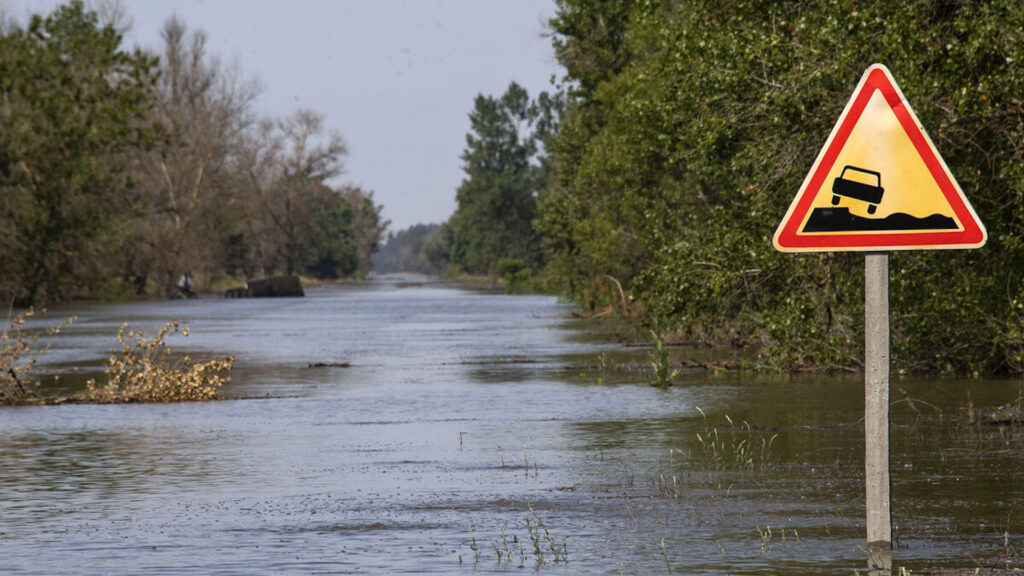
<point>396,78</point>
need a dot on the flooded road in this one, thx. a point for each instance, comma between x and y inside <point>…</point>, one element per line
<point>476,433</point>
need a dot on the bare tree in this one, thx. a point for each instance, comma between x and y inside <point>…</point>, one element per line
<point>113,13</point>
<point>258,168</point>
<point>202,110</point>
<point>310,156</point>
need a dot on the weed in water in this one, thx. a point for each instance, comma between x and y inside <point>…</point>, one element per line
<point>547,549</point>
<point>534,532</point>
<point>526,464</point>
<point>473,546</point>
<point>1008,549</point>
<point>19,353</point>
<point>663,374</point>
<point>504,544</point>
<point>664,553</point>
<point>766,539</point>
<point>146,370</point>
<point>736,448</point>
<point>668,489</point>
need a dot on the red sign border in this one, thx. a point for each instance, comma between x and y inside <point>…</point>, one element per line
<point>787,237</point>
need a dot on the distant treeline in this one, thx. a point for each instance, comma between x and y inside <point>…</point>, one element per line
<point>408,250</point>
<point>684,130</point>
<point>122,170</point>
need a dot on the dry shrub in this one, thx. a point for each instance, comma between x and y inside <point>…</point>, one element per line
<point>145,370</point>
<point>19,353</point>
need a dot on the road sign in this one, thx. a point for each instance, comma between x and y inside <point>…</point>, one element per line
<point>879,184</point>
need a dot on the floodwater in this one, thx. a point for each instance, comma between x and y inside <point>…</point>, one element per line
<point>476,432</point>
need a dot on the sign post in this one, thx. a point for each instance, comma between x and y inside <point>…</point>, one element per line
<point>878,185</point>
<point>876,407</point>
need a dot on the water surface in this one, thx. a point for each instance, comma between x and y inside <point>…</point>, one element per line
<point>464,419</point>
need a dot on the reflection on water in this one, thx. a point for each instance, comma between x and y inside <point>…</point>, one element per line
<point>462,408</point>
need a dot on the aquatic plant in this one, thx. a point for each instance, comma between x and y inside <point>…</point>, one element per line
<point>146,370</point>
<point>1008,549</point>
<point>663,374</point>
<point>559,554</point>
<point>547,549</point>
<point>766,538</point>
<point>737,449</point>
<point>19,353</point>
<point>502,550</point>
<point>473,546</point>
<point>668,489</point>
<point>525,463</point>
<point>664,554</point>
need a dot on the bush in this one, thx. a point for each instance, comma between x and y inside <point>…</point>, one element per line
<point>514,272</point>
<point>145,370</point>
<point>18,356</point>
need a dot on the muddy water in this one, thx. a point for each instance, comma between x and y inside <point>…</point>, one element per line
<point>470,427</point>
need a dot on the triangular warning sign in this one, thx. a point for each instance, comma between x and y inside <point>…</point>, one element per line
<point>879,184</point>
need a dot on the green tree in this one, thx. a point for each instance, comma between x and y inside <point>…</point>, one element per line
<point>71,103</point>
<point>497,199</point>
<point>342,230</point>
<point>685,142</point>
<point>325,244</point>
<point>405,251</point>
<point>369,226</point>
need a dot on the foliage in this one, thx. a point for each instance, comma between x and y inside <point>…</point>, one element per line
<point>691,126</point>
<point>406,251</point>
<point>19,352</point>
<point>663,372</point>
<point>71,102</point>
<point>514,272</point>
<point>120,171</point>
<point>184,184</point>
<point>496,200</point>
<point>145,370</point>
<point>323,247</point>
<point>438,248</point>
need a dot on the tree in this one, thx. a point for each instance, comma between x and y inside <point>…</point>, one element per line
<point>306,164</point>
<point>186,179</point>
<point>496,200</point>
<point>295,220</point>
<point>686,141</point>
<point>368,224</point>
<point>404,251</point>
<point>72,103</point>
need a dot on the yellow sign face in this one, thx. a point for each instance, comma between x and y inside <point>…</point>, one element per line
<point>879,184</point>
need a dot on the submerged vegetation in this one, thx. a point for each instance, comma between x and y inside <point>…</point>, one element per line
<point>146,370</point>
<point>19,353</point>
<point>142,370</point>
<point>543,549</point>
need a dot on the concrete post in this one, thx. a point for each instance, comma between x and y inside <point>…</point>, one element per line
<point>876,406</point>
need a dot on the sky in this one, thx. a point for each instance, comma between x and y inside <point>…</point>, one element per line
<point>396,78</point>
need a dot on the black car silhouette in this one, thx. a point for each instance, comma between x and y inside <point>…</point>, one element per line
<point>872,194</point>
